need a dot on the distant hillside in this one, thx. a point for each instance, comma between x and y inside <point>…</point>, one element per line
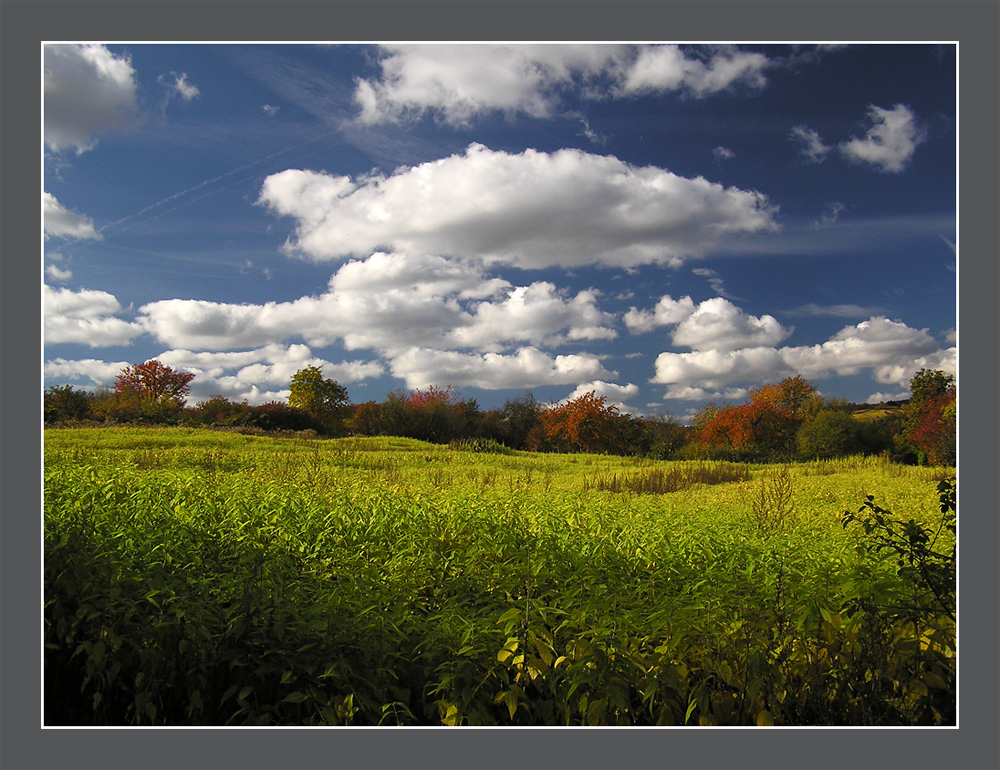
<point>877,411</point>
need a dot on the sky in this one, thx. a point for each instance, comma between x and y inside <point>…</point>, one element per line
<point>665,225</point>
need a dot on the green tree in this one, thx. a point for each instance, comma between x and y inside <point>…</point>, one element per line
<point>65,403</point>
<point>323,399</point>
<point>833,433</point>
<point>517,418</point>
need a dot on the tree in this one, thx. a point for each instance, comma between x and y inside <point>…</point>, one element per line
<point>762,428</point>
<point>65,403</point>
<point>517,418</point>
<point>155,381</point>
<point>930,424</point>
<point>585,424</point>
<point>323,399</point>
<point>832,433</point>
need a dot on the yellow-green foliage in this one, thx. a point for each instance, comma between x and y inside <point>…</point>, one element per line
<point>203,577</point>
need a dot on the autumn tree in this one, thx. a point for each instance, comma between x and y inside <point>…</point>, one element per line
<point>149,392</point>
<point>584,424</point>
<point>156,381</point>
<point>438,415</point>
<point>323,399</point>
<point>762,428</point>
<point>930,422</point>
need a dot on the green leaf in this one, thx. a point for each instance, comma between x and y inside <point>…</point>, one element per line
<point>764,719</point>
<point>245,692</point>
<point>295,697</point>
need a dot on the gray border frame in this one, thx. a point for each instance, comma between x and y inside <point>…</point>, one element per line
<point>974,24</point>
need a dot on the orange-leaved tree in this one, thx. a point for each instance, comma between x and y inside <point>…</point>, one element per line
<point>762,428</point>
<point>584,424</point>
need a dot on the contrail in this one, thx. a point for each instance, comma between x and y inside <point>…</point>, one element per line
<point>207,182</point>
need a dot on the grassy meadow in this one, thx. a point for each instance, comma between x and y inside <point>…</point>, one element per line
<point>197,577</point>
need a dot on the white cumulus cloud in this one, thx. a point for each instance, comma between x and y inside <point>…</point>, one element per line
<point>892,351</point>
<point>890,142</point>
<point>88,91</point>
<point>86,317</point>
<point>92,370</point>
<point>391,302</point>
<point>532,210</point>
<point>528,367</point>
<point>458,82</point>
<point>60,222</point>
<point>715,324</point>
<point>668,68</point>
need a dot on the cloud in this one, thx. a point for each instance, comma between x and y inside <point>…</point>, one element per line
<point>531,210</point>
<point>836,311</point>
<point>240,374</point>
<point>691,393</point>
<point>723,153</point>
<point>615,394</point>
<point>457,83</point>
<point>831,213</point>
<point>537,314</point>
<point>717,369</point>
<point>890,142</point>
<point>878,398</point>
<point>668,311</point>
<point>56,274</point>
<point>607,389</point>
<point>62,223</point>
<point>85,317</point>
<point>391,302</point>
<point>271,110</point>
<point>891,350</point>
<point>236,375</point>
<point>668,68</point>
<point>715,324</point>
<point>528,367</point>
<point>179,86</point>
<point>714,280</point>
<point>88,91</point>
<point>95,371</point>
<point>812,147</point>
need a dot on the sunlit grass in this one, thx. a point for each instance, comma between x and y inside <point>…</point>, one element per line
<point>207,560</point>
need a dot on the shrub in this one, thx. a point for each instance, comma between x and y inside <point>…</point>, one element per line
<point>63,403</point>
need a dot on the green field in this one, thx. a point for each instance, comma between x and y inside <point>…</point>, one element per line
<point>197,577</point>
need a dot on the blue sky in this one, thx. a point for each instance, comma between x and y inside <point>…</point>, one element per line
<point>666,225</point>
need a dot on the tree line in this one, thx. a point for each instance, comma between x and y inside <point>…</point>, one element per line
<point>778,422</point>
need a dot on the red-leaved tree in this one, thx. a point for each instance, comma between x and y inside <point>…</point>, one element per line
<point>155,381</point>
